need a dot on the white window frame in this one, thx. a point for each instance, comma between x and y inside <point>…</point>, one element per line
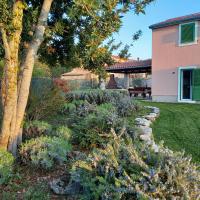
<point>180,79</point>
<point>196,34</point>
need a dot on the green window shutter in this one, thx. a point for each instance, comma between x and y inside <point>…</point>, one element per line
<point>187,33</point>
<point>196,85</point>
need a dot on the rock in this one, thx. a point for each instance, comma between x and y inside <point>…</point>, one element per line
<point>155,148</point>
<point>156,110</point>
<point>145,138</point>
<point>144,125</point>
<point>142,122</point>
<point>153,109</point>
<point>40,179</point>
<point>151,142</point>
<point>57,186</point>
<point>153,145</point>
<point>149,107</point>
<point>62,186</point>
<point>146,131</point>
<point>151,116</point>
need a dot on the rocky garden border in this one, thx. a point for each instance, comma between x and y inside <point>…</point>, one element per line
<point>144,127</point>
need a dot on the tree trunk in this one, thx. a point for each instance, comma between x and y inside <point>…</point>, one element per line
<point>15,95</point>
<point>9,82</point>
<point>29,63</point>
<point>9,110</point>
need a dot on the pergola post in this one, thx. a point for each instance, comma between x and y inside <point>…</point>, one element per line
<point>126,81</point>
<point>102,83</point>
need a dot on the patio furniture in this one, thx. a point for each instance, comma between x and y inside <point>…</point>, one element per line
<point>143,91</point>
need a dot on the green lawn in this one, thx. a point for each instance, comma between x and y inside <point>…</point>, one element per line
<point>179,127</point>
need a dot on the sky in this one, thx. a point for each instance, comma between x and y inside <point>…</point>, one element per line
<point>158,11</point>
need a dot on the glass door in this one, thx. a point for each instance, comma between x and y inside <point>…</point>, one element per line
<point>186,84</point>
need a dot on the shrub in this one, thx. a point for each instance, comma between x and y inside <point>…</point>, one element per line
<point>37,192</point>
<point>63,132</point>
<point>41,70</point>
<point>109,173</point>
<point>139,107</point>
<point>96,96</point>
<point>94,129</point>
<point>91,123</point>
<point>68,108</point>
<point>78,107</point>
<point>121,171</point>
<point>125,106</point>
<point>175,177</point>
<point>6,164</point>
<point>35,129</point>
<point>45,152</point>
<point>45,100</point>
<point>61,84</point>
<point>8,195</point>
<point>138,82</point>
<point>83,84</point>
<point>84,108</point>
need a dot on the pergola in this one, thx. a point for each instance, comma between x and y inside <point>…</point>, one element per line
<point>131,67</point>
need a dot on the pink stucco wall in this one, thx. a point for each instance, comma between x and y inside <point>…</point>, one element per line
<point>167,56</point>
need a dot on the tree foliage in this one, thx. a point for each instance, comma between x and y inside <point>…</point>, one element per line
<point>76,30</point>
<point>124,53</point>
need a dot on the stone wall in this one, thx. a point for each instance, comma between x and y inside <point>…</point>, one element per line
<point>144,127</point>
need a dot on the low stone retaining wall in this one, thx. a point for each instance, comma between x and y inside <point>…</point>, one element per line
<point>144,126</point>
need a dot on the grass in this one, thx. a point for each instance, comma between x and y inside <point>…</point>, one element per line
<point>179,127</point>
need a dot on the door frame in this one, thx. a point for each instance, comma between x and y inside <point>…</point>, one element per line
<point>180,83</point>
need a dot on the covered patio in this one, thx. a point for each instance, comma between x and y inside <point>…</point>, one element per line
<point>129,69</point>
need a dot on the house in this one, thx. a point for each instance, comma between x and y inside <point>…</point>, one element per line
<point>176,59</point>
<point>78,74</point>
<point>80,78</point>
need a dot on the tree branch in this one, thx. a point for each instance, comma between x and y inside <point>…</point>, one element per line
<point>5,43</point>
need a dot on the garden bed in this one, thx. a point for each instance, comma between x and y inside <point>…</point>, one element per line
<point>92,148</point>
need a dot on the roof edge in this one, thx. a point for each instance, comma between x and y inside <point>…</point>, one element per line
<point>172,23</point>
<point>137,67</point>
<point>131,64</point>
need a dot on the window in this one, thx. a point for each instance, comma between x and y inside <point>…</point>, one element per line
<point>188,33</point>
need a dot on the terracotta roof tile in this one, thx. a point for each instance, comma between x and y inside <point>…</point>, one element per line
<point>131,64</point>
<point>177,20</point>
